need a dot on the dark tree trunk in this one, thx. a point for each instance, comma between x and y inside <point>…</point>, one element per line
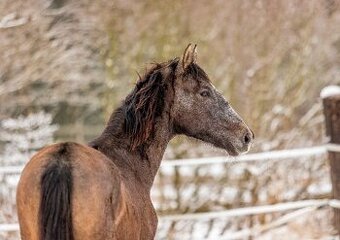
<point>332,117</point>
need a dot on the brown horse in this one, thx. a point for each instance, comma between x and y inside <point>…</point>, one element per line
<point>70,191</point>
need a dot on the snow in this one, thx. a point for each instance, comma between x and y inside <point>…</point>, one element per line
<point>334,203</point>
<point>332,147</point>
<point>9,227</point>
<point>20,138</point>
<point>330,91</point>
<point>246,211</point>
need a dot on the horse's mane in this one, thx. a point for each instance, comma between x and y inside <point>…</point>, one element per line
<point>146,102</point>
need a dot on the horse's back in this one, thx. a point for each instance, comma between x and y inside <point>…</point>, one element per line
<point>92,198</point>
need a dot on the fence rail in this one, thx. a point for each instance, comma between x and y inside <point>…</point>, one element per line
<point>259,157</point>
<point>246,211</point>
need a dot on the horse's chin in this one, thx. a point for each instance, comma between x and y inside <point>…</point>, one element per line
<point>233,153</point>
<point>232,150</point>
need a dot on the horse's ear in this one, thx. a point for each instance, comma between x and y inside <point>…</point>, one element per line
<point>189,56</point>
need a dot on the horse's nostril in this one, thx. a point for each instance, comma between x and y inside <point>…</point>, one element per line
<point>247,138</point>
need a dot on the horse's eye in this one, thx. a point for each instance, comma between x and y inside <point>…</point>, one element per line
<point>205,93</point>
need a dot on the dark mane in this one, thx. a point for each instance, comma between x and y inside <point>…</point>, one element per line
<point>146,102</point>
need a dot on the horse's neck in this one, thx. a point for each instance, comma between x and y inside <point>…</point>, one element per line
<point>142,164</point>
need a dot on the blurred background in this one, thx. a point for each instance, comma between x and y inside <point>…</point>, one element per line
<point>66,64</point>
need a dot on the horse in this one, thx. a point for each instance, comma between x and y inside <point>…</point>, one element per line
<point>71,191</point>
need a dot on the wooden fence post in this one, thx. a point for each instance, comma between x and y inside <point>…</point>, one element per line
<point>331,104</point>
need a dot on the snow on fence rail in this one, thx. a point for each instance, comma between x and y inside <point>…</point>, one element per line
<point>264,156</point>
<point>9,227</point>
<point>256,231</point>
<point>246,211</point>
